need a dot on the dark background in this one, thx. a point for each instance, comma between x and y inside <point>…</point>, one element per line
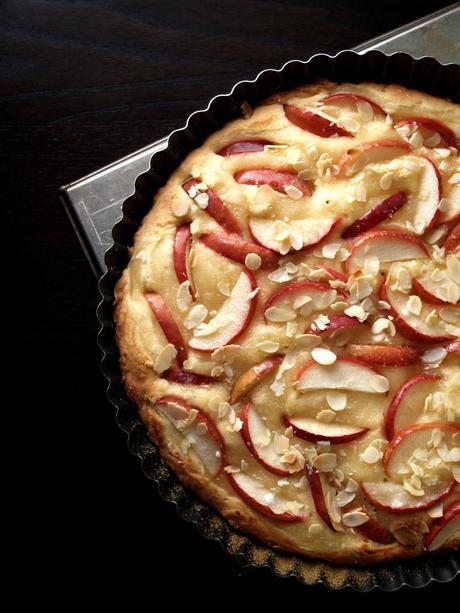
<point>82,84</point>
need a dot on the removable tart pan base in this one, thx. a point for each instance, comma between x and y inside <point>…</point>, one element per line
<point>425,74</point>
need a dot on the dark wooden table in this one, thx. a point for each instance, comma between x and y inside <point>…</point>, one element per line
<point>84,83</point>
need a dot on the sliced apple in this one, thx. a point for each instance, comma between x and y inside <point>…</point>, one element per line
<point>408,402</point>
<point>344,374</point>
<point>249,145</point>
<point>451,206</point>
<point>276,179</point>
<point>405,442</point>
<point>181,252</point>
<point>259,441</point>
<point>431,291</point>
<point>323,496</point>
<point>444,529</point>
<point>314,431</point>
<point>371,153</point>
<point>167,323</point>
<point>198,428</point>
<point>387,246</point>
<point>373,529</point>
<point>297,235</point>
<point>429,126</point>
<point>423,327</point>
<point>393,497</point>
<point>215,207</point>
<point>331,273</point>
<point>346,98</point>
<point>231,320</point>
<point>384,355</point>
<point>262,499</point>
<point>381,212</point>
<point>453,240</point>
<point>236,249</point>
<point>424,208</point>
<point>313,121</point>
<point>315,293</point>
<point>188,378</point>
<point>337,321</point>
<point>252,377</point>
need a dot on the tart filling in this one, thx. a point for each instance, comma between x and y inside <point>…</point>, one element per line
<point>289,322</point>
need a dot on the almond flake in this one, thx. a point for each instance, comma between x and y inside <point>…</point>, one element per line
<point>330,250</point>
<point>268,346</point>
<point>435,235</point>
<point>354,519</point>
<point>416,140</point>
<point>232,470</point>
<point>453,267</point>
<point>279,315</point>
<point>443,153</point>
<point>386,180</point>
<point>380,325</point>
<point>365,110</point>
<point>454,179</point>
<point>300,301</point>
<point>224,288</point>
<point>323,356</point>
<point>253,261</point>
<point>294,193</point>
<point>371,265</point>
<point>343,498</point>
<point>180,207</point>
<point>433,140</point>
<point>352,485</point>
<point>434,356</point>
<point>380,384</point>
<point>196,316</point>
<point>371,455</point>
<point>414,305</point>
<point>450,315</point>
<point>307,341</point>
<point>406,536</point>
<point>202,200</point>
<point>336,400</point>
<point>277,387</point>
<point>164,358</point>
<point>315,529</point>
<point>356,311</point>
<point>183,296</point>
<point>326,416</point>
<point>325,462</point>
<point>436,511</point>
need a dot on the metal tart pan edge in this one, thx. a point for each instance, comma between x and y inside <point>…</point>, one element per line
<point>425,74</point>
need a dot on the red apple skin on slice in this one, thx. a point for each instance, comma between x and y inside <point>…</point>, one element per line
<point>422,292</point>
<point>316,488</point>
<point>216,208</point>
<point>337,321</point>
<point>252,377</point>
<point>387,245</point>
<point>331,272</point>
<point>312,233</point>
<point>374,151</point>
<point>242,485</point>
<point>169,405</point>
<point>307,287</point>
<point>373,530</point>
<point>381,212</point>
<point>313,122</point>
<point>167,323</point>
<point>431,125</point>
<point>236,249</point>
<point>444,528</point>
<point>453,347</point>
<point>314,431</point>
<point>451,209</point>
<point>384,355</point>
<point>392,497</point>
<point>276,179</point>
<point>408,402</point>
<point>453,240</point>
<point>399,444</point>
<point>249,145</point>
<point>346,97</point>
<point>188,378</point>
<point>345,373</point>
<point>181,252</point>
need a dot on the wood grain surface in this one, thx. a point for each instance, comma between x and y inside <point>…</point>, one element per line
<point>82,84</point>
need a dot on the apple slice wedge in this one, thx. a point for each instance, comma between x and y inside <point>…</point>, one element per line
<point>393,497</point>
<point>446,528</point>
<point>420,327</point>
<point>249,145</point>
<point>347,98</point>
<point>406,406</point>
<point>259,441</point>
<point>429,126</point>
<point>385,210</point>
<point>384,355</point>
<point>387,246</point>
<point>314,431</point>
<point>424,207</point>
<point>405,442</point>
<point>215,207</point>
<point>450,210</point>
<point>316,293</point>
<point>432,291</point>
<point>262,499</point>
<point>252,377</point>
<point>297,235</point>
<point>198,428</point>
<point>167,323</point>
<point>313,121</point>
<point>231,320</point>
<point>323,496</point>
<point>344,374</point>
<point>276,179</point>
<point>372,152</point>
<point>236,249</point>
<point>188,378</point>
<point>452,241</point>
<point>181,250</point>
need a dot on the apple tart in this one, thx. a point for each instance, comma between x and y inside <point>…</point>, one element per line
<point>289,322</point>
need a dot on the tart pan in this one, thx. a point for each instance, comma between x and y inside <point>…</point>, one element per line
<point>425,74</point>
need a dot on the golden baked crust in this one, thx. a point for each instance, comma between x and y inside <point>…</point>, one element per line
<point>344,187</point>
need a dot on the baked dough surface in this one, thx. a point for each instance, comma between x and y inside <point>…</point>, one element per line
<point>335,192</point>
